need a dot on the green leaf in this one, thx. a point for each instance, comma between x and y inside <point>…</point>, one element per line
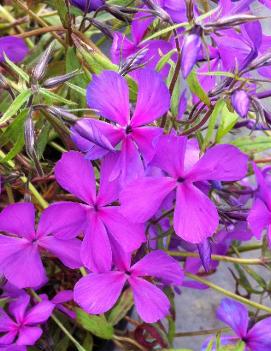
<point>15,106</point>
<point>212,122</point>
<point>97,61</point>
<point>79,90</point>
<point>217,73</point>
<point>97,325</point>
<point>61,8</point>
<point>251,144</point>
<point>164,60</point>
<point>43,139</point>
<point>197,89</point>
<point>14,129</point>
<point>17,69</point>
<point>77,84</point>
<point>124,304</point>
<point>54,97</point>
<point>210,345</point>
<point>17,147</point>
<point>228,120</point>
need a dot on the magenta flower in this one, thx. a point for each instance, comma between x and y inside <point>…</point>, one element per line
<point>149,53</point>
<point>98,292</point>
<point>235,315</point>
<point>14,48</point>
<point>259,217</point>
<point>20,247</point>
<point>104,226</point>
<point>195,215</point>
<point>131,136</point>
<point>21,325</point>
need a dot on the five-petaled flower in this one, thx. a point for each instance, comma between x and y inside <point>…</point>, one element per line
<point>98,292</point>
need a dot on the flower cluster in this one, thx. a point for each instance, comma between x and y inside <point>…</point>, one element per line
<point>136,193</point>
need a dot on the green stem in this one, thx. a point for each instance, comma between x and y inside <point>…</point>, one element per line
<point>228,293</point>
<point>40,21</point>
<point>249,247</point>
<point>245,261</point>
<point>43,203</point>
<point>202,332</point>
<point>61,326</point>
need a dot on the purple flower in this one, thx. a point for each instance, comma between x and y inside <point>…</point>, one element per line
<point>240,102</point>
<point>195,215</point>
<point>20,260</point>
<point>131,136</point>
<point>14,48</point>
<point>87,5</point>
<point>21,326</point>
<point>149,53</point>
<point>98,292</point>
<point>259,217</point>
<point>104,227</point>
<point>235,315</point>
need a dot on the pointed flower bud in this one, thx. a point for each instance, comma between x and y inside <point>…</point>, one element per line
<point>58,80</point>
<point>61,113</point>
<point>29,136</point>
<point>40,68</point>
<point>190,51</point>
<point>240,102</point>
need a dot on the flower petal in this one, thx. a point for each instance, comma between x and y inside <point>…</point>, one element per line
<point>160,265</point>
<point>235,315</point>
<point>18,219</point>
<point>259,217</point>
<point>142,198</point>
<point>68,251</point>
<point>170,155</point>
<point>65,220</point>
<point>259,336</point>
<point>153,98</point>
<point>7,339</point>
<point>94,137</point>
<point>130,163</point>
<point>76,175</point>
<point>6,323</point>
<point>151,303</point>
<point>39,313</point>
<point>146,139</point>
<point>28,335</point>
<point>14,48</point>
<point>128,235</point>
<point>109,189</point>
<point>96,253</point>
<point>97,293</point>
<point>195,216</point>
<point>23,268</point>
<point>18,307</point>
<point>221,162</point>
<point>112,84</point>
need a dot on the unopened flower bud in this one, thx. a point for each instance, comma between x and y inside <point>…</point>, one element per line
<point>56,81</point>
<point>29,136</point>
<point>40,68</point>
<point>61,113</point>
<point>190,51</point>
<point>240,102</point>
